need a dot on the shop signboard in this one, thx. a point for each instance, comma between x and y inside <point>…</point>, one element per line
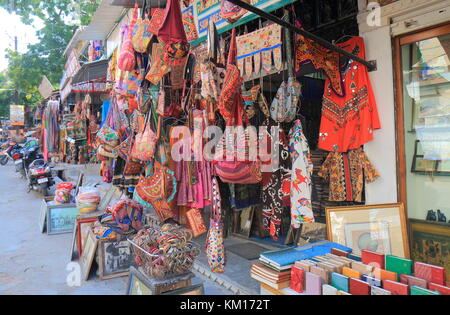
<point>209,10</point>
<point>17,115</point>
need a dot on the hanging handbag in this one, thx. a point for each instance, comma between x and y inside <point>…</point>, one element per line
<point>231,12</point>
<point>127,60</point>
<point>284,105</point>
<point>195,222</point>
<point>215,250</point>
<point>141,31</point>
<point>157,189</point>
<point>145,142</point>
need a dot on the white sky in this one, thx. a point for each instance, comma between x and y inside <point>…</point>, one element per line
<point>10,26</point>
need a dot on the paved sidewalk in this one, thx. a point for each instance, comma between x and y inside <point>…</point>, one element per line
<point>35,263</point>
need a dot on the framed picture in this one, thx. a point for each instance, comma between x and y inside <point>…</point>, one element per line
<point>79,183</point>
<point>90,248</point>
<point>82,230</point>
<point>138,284</point>
<point>242,222</point>
<point>107,199</point>
<point>379,228</point>
<point>74,240</point>
<point>114,259</point>
<point>61,218</point>
<point>196,289</point>
<point>43,216</point>
<point>430,243</point>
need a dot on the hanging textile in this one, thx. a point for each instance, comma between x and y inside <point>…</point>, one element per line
<point>189,24</point>
<point>260,46</point>
<point>276,182</point>
<point>302,168</point>
<point>346,173</point>
<point>348,122</point>
<point>307,50</point>
<point>172,34</point>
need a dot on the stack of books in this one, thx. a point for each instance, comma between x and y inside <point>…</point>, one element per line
<point>373,273</point>
<point>274,267</point>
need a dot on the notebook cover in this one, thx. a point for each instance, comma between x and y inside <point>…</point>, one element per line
<point>313,284</point>
<point>399,265</point>
<point>396,288</point>
<point>430,273</point>
<point>351,273</point>
<point>297,279</point>
<point>340,282</point>
<point>340,252</point>
<point>303,265</point>
<point>339,292</point>
<point>421,291</point>
<point>385,274</point>
<point>372,258</point>
<point>362,268</point>
<point>358,287</point>
<point>339,265</point>
<point>327,266</point>
<point>277,286</point>
<point>440,288</point>
<point>329,290</point>
<point>354,257</point>
<point>324,274</point>
<point>372,281</point>
<point>379,291</point>
<point>414,281</point>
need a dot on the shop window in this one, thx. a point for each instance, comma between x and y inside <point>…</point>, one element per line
<point>425,89</point>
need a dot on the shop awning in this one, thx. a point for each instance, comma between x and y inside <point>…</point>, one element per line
<point>91,71</point>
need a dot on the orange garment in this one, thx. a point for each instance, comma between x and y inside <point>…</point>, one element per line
<point>348,122</point>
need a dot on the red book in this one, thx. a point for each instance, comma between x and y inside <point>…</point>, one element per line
<point>372,258</point>
<point>440,288</point>
<point>358,287</point>
<point>430,273</point>
<point>414,281</point>
<point>396,288</point>
<point>339,252</point>
<point>297,279</point>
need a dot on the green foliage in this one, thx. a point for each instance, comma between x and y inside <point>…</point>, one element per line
<point>61,18</point>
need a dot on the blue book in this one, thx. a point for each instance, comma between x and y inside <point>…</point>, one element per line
<point>288,256</point>
<point>340,282</point>
<point>354,257</point>
<point>373,282</point>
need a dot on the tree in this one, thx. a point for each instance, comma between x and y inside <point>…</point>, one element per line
<point>61,18</point>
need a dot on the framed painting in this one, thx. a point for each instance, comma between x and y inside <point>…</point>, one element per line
<point>379,228</point>
<point>74,240</point>
<point>107,199</point>
<point>430,243</point>
<point>138,284</point>
<point>87,258</point>
<point>43,216</point>
<point>115,259</point>
<point>82,230</point>
<point>242,222</point>
<point>61,218</point>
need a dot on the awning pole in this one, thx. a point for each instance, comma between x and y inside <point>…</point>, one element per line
<point>371,66</point>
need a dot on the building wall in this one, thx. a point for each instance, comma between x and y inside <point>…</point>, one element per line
<point>401,17</point>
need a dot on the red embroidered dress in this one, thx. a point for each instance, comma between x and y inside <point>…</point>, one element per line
<point>348,122</point>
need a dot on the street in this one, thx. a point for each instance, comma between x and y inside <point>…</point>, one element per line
<point>35,263</point>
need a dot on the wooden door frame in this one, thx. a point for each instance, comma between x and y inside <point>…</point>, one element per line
<point>399,41</point>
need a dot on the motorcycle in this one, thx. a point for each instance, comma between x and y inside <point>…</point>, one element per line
<point>39,175</point>
<point>11,151</point>
<point>30,154</point>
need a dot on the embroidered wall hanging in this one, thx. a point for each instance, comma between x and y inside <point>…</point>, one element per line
<point>189,24</point>
<point>260,50</point>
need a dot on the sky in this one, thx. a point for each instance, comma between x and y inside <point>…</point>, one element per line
<point>10,26</point>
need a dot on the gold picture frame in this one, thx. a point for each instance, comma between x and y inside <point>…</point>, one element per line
<point>381,228</point>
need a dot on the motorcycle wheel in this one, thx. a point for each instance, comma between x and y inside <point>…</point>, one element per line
<point>43,189</point>
<point>3,160</point>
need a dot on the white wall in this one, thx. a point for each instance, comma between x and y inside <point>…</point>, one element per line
<point>382,151</point>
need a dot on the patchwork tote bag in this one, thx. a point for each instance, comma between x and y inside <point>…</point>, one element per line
<point>215,250</point>
<point>141,31</point>
<point>127,59</point>
<point>284,105</point>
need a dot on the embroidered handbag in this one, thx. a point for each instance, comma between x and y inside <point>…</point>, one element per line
<point>158,189</point>
<point>106,151</point>
<point>195,222</point>
<point>141,31</point>
<point>127,213</point>
<point>127,60</point>
<point>145,142</point>
<point>123,149</point>
<point>284,105</point>
<point>107,135</point>
<point>215,250</point>
<point>231,12</point>
<point>231,89</point>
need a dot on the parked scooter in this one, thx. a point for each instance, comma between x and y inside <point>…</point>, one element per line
<point>30,154</point>
<point>10,151</point>
<point>39,175</point>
